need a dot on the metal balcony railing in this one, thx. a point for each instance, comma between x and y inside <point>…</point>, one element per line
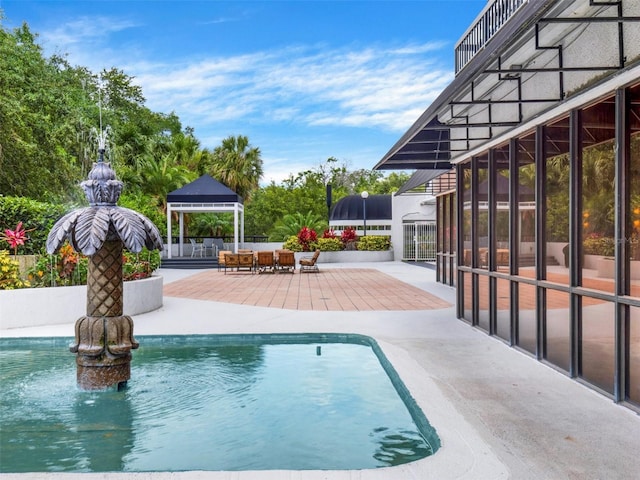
<point>492,18</point>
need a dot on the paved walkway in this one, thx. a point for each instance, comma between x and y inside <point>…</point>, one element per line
<point>499,413</point>
<point>332,289</point>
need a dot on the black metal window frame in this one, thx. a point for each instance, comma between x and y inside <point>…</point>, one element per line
<point>621,298</point>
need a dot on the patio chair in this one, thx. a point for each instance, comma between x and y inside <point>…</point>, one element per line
<point>286,261</point>
<point>219,244</point>
<point>231,261</point>
<point>196,248</point>
<point>265,262</point>
<point>221,258</point>
<point>308,264</point>
<point>207,244</point>
<point>246,261</point>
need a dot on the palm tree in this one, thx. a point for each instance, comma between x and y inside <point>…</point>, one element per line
<point>238,165</point>
<point>293,223</point>
<point>159,178</point>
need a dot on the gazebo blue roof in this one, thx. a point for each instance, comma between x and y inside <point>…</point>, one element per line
<point>205,189</point>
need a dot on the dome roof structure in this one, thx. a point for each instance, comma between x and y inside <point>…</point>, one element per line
<point>351,208</point>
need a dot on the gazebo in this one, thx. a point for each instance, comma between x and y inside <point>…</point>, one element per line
<point>205,194</point>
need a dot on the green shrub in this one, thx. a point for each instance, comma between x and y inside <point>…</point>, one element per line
<point>374,243</point>
<point>597,245</point>
<point>292,243</point>
<point>64,269</point>
<point>140,265</point>
<point>68,268</point>
<point>34,215</point>
<point>330,244</point>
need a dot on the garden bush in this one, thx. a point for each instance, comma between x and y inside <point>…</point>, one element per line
<point>374,243</point>
<point>34,215</point>
<point>330,244</point>
<point>292,243</point>
<point>599,245</point>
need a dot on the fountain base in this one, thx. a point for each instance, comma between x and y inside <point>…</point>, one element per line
<point>102,377</point>
<point>103,345</point>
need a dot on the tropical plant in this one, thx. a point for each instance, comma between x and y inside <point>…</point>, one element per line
<point>136,266</point>
<point>308,239</point>
<point>10,273</point>
<point>65,268</point>
<point>291,224</point>
<point>329,233</point>
<point>349,238</point>
<point>15,237</point>
<point>211,225</point>
<point>238,165</point>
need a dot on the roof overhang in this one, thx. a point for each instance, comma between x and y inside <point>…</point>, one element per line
<point>539,58</point>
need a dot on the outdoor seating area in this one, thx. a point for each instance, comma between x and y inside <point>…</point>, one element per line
<point>266,261</point>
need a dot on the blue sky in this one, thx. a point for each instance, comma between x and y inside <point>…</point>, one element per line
<point>304,80</point>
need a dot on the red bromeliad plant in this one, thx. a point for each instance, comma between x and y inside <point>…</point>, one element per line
<point>307,236</point>
<point>16,237</point>
<point>329,233</point>
<point>349,238</point>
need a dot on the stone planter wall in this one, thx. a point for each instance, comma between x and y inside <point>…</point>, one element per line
<point>30,307</point>
<point>606,266</point>
<point>354,256</point>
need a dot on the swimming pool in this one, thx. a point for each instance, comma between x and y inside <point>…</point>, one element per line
<point>211,402</point>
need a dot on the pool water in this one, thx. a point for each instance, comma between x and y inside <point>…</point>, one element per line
<point>211,402</point>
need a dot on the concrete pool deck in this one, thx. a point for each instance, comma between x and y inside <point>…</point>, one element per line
<point>499,413</point>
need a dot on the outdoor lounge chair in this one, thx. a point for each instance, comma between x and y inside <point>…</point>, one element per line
<point>231,261</point>
<point>221,257</point>
<point>286,261</point>
<point>265,262</point>
<point>245,261</point>
<point>308,264</point>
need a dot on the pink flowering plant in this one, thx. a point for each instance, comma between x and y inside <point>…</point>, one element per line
<point>16,237</point>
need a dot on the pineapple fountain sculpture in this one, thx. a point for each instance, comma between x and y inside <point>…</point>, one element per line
<point>104,336</point>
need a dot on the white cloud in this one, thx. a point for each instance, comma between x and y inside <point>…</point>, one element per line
<point>381,88</point>
<point>360,88</point>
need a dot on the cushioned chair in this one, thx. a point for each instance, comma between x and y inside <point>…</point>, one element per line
<point>245,262</point>
<point>308,264</point>
<point>265,262</point>
<point>286,261</point>
<point>231,261</point>
<point>221,258</point>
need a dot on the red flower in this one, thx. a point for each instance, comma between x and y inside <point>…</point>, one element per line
<point>16,237</point>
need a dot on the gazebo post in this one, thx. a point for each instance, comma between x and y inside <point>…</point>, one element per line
<point>235,228</point>
<point>181,239</point>
<point>168,230</point>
